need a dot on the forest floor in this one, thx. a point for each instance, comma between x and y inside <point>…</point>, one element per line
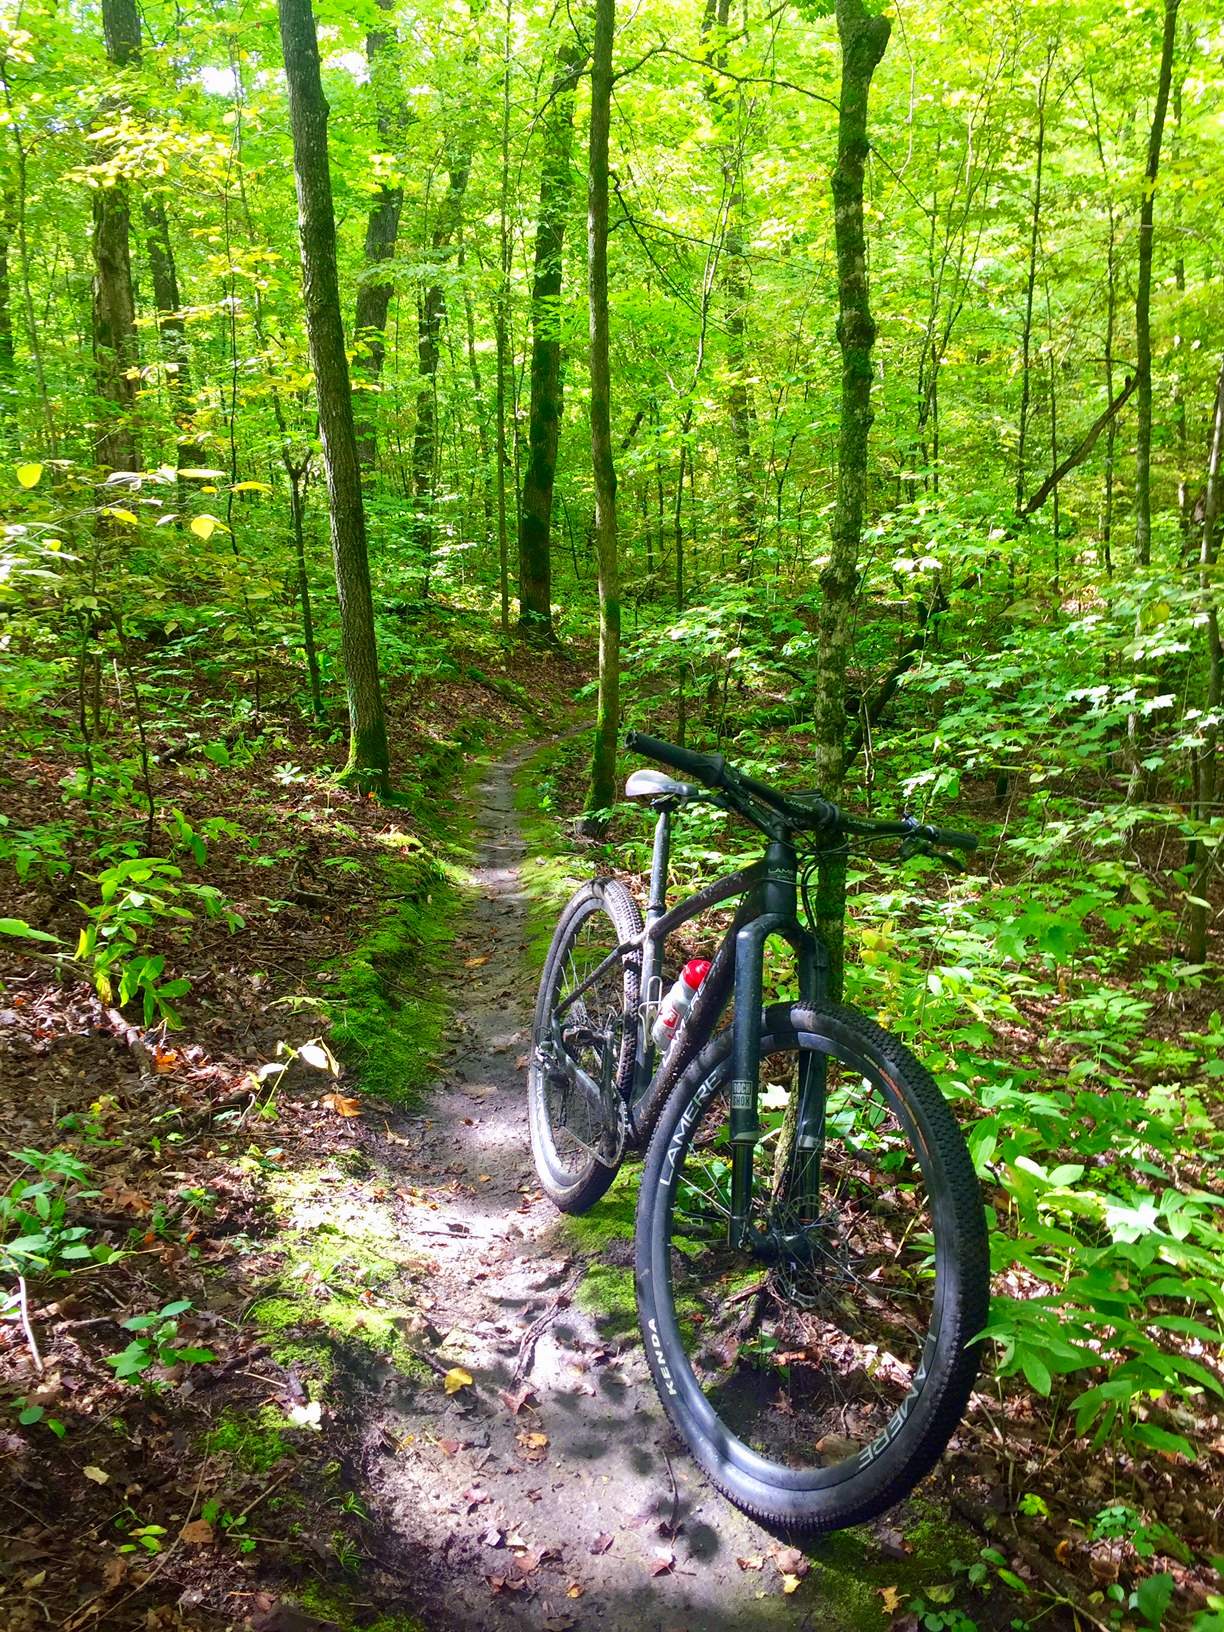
<point>424,1403</point>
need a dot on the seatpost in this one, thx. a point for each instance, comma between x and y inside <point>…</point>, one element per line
<point>657,904</point>
<point>651,984</point>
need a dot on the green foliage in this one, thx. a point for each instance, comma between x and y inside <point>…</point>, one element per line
<point>139,895</point>
<point>156,1344</point>
<point>37,1236</point>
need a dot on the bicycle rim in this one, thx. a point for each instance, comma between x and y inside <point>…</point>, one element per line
<point>809,1364</point>
<point>593,1037</point>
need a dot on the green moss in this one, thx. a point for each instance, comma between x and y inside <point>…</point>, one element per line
<point>387,1016</point>
<point>256,1441</point>
<point>551,874</point>
<point>611,1219</point>
<point>849,1571</point>
<point>346,1275</point>
<point>386,1007</point>
<point>327,1604</point>
<point>607,1293</point>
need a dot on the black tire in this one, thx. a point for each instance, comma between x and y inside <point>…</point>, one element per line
<point>877,1367</point>
<point>600,917</point>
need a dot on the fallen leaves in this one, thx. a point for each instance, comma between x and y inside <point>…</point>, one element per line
<point>456,1378</point>
<point>97,1475</point>
<point>532,1445</point>
<point>890,1599</point>
<point>118,1198</point>
<point>792,1566</point>
<point>477,963</point>
<point>893,1544</point>
<point>342,1104</point>
<point>199,1533</point>
<point>506,1583</point>
<point>601,1544</point>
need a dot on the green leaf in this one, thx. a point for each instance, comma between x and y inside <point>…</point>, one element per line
<point>29,475</point>
<point>1153,1596</point>
<point>1160,1439</point>
<point>1036,1371</point>
<point>18,926</point>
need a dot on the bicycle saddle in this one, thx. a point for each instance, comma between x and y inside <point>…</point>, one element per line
<point>655,785</point>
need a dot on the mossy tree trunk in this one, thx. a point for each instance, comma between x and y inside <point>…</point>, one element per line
<point>382,229</point>
<point>116,355</point>
<point>734,116</point>
<point>603,761</point>
<point>544,420</point>
<point>430,316</point>
<point>1205,762</point>
<point>8,358</point>
<point>1143,295</point>
<point>863,40</point>
<point>171,330</point>
<point>367,762</point>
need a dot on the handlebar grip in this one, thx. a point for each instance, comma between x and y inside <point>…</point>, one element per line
<point>949,839</point>
<point>709,769</point>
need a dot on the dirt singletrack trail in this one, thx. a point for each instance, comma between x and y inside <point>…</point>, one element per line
<point>550,1493</point>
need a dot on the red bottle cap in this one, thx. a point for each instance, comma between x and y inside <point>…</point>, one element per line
<point>695,971</point>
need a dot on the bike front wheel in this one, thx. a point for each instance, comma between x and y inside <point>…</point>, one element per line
<point>818,1372</point>
<point>584,1035</point>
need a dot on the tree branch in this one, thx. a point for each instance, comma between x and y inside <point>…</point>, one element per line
<point>1081,450</point>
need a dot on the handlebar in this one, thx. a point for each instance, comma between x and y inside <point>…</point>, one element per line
<point>806,812</point>
<point>708,769</point>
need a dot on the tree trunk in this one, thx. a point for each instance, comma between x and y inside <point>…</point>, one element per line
<point>501,327</point>
<point>382,228</point>
<point>740,410</point>
<point>8,358</point>
<point>430,315</point>
<point>1111,320</point>
<point>367,761</point>
<point>603,762</point>
<point>544,416</point>
<point>171,331</point>
<point>116,356</point>
<point>298,474</point>
<point>1206,758</point>
<point>1143,297</point>
<point>863,40</point>
<point>1026,375</point>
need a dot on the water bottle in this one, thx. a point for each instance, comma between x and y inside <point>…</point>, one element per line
<point>679,1001</point>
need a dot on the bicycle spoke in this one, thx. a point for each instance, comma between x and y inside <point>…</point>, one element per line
<point>840,1320</point>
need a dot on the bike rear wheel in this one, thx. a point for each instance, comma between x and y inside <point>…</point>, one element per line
<point>817,1374</point>
<point>576,1138</point>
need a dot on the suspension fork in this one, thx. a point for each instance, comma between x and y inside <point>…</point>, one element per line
<point>779,916</point>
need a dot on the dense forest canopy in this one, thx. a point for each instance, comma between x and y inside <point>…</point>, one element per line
<point>591,282</point>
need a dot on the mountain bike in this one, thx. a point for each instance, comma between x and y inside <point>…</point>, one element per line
<point>811,1260</point>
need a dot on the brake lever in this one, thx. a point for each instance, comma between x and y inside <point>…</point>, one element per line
<point>916,845</point>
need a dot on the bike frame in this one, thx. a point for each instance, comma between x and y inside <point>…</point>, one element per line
<point>769,907</point>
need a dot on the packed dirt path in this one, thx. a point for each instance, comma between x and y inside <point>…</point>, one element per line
<point>550,1493</point>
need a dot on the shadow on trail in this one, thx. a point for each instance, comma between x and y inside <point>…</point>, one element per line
<point>519,1470</point>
